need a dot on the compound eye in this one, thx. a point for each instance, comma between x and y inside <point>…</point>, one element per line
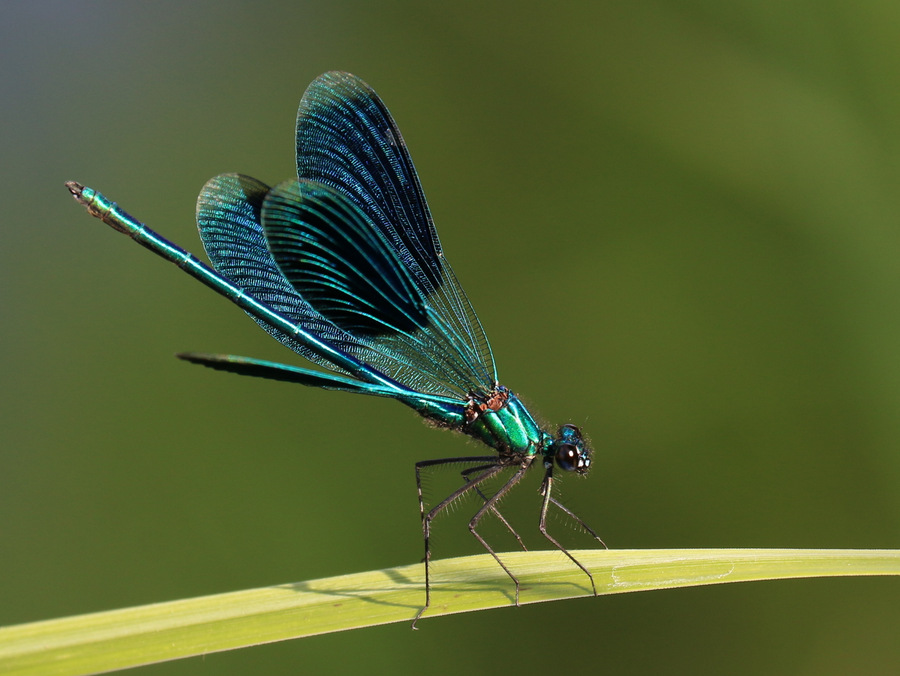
<point>567,457</point>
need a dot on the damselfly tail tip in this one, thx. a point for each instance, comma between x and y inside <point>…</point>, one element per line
<point>76,189</point>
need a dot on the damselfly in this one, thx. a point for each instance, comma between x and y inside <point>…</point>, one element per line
<point>344,267</point>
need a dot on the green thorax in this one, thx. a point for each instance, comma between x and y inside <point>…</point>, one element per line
<point>498,418</point>
<point>502,422</point>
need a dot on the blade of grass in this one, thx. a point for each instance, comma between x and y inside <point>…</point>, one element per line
<point>130,637</point>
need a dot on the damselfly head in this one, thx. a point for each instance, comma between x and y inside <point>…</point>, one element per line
<point>570,451</point>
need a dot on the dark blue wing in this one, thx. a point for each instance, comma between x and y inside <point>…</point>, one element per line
<point>350,252</point>
<point>347,140</point>
<point>329,252</point>
<point>338,262</point>
<point>229,218</point>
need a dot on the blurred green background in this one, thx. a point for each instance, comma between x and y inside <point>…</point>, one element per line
<point>677,220</point>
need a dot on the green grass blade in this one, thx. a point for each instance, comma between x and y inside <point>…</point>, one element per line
<point>164,631</point>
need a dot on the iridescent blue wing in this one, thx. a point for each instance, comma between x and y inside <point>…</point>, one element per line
<point>348,141</point>
<point>350,253</point>
<point>229,219</point>
<point>338,263</point>
<point>343,266</point>
<point>311,255</point>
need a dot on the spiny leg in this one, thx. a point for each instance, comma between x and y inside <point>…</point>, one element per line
<point>546,487</point>
<point>491,468</point>
<point>496,512</point>
<point>490,505</point>
<point>581,523</point>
